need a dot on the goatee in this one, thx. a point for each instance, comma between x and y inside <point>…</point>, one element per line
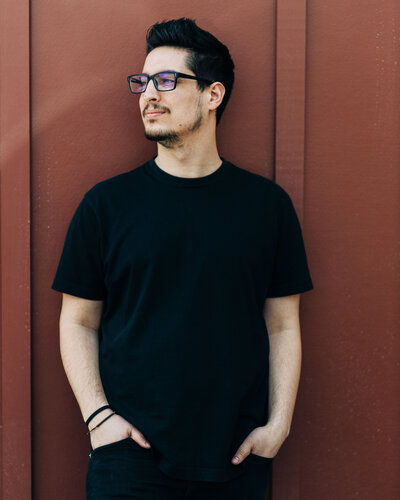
<point>169,138</point>
<point>166,138</point>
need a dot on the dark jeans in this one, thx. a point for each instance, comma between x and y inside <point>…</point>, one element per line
<point>125,470</point>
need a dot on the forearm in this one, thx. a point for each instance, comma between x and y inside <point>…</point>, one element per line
<point>284,375</point>
<point>79,347</point>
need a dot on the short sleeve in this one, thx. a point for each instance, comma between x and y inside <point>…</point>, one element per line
<point>290,274</point>
<point>80,269</point>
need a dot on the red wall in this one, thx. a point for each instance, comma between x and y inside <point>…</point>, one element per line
<point>349,406</point>
<point>316,107</point>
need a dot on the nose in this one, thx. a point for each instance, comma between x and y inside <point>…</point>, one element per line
<point>151,93</point>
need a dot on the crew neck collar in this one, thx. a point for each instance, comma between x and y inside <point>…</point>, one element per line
<point>161,175</point>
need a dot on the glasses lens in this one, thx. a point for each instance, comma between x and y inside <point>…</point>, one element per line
<point>138,83</point>
<point>165,81</point>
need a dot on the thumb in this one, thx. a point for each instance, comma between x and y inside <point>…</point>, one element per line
<point>242,452</point>
<point>139,438</point>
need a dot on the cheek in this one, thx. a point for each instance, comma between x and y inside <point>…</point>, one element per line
<point>186,113</point>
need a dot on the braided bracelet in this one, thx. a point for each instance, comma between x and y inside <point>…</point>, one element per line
<point>95,427</point>
<point>96,412</point>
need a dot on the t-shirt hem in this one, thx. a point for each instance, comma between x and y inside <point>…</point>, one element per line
<point>219,474</point>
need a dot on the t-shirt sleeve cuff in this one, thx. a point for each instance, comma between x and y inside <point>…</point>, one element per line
<point>78,290</point>
<point>291,289</point>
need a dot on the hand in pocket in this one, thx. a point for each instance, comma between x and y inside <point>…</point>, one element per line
<point>114,429</point>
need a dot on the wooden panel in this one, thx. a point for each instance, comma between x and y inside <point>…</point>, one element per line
<point>289,173</point>
<point>290,98</point>
<point>349,409</point>
<point>15,323</point>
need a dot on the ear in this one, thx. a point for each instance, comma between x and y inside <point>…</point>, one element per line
<point>215,95</point>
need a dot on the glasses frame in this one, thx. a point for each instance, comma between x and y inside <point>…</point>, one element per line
<point>153,77</point>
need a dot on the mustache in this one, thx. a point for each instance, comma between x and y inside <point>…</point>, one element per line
<point>148,108</point>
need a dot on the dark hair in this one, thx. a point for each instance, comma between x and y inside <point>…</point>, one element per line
<point>207,57</point>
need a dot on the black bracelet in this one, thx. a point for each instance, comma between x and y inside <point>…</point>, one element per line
<point>107,417</point>
<point>96,412</point>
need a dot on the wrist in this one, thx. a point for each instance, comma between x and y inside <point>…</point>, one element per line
<point>92,409</point>
<point>280,425</point>
<point>99,417</point>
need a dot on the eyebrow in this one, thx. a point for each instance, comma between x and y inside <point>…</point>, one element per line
<point>162,71</point>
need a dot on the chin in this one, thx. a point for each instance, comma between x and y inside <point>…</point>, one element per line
<point>154,134</point>
<point>168,137</point>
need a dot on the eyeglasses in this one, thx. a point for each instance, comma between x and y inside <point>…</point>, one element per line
<point>163,81</point>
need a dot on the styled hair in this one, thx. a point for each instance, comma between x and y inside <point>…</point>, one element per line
<point>207,57</point>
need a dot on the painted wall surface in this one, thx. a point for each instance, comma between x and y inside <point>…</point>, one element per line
<point>349,409</point>
<point>85,126</point>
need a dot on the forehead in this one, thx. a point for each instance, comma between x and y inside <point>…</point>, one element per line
<point>166,57</point>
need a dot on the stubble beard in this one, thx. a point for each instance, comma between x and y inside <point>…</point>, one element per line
<point>170,138</point>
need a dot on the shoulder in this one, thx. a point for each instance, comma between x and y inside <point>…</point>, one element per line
<point>259,183</point>
<point>114,187</point>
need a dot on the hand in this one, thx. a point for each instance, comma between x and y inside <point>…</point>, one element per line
<point>264,441</point>
<point>114,429</point>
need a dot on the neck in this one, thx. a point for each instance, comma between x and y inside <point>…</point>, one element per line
<point>194,157</point>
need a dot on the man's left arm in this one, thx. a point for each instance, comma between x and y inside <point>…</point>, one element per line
<point>283,324</point>
<point>282,318</point>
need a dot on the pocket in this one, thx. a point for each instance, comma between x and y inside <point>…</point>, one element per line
<point>111,445</point>
<point>259,458</point>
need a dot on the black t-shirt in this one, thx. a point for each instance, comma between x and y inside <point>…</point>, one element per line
<point>184,266</point>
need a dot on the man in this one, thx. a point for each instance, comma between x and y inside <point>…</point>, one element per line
<point>181,282</point>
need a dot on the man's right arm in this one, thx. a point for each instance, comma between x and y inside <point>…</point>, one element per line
<point>79,347</point>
